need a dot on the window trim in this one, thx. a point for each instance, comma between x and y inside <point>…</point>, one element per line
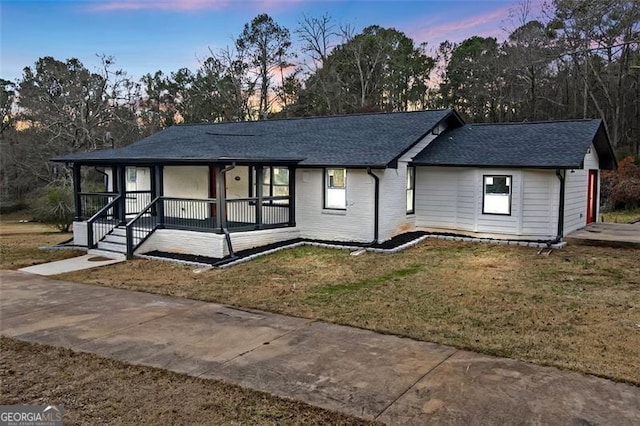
<point>484,193</point>
<point>325,188</point>
<point>412,189</point>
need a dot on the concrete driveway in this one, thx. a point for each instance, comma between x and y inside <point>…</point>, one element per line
<point>366,374</point>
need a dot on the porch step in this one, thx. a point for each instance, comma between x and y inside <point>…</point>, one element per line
<point>113,247</point>
<point>120,231</point>
<point>114,238</point>
<point>106,253</point>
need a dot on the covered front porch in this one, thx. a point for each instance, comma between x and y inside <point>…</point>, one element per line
<point>135,200</point>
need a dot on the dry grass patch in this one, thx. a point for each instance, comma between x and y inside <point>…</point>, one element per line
<point>96,390</point>
<point>19,242</point>
<point>621,216</point>
<point>578,308</point>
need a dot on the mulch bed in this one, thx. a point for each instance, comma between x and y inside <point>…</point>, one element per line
<point>395,242</point>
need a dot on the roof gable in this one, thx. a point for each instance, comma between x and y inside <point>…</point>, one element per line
<point>551,144</point>
<point>361,140</point>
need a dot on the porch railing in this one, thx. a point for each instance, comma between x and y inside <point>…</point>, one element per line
<point>249,213</point>
<point>103,222</point>
<point>136,201</point>
<point>191,214</point>
<point>139,228</point>
<point>92,202</point>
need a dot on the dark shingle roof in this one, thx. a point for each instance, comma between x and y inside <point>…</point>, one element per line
<point>552,144</point>
<point>348,140</point>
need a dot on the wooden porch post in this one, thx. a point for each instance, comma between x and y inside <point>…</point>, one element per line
<point>76,191</point>
<point>259,195</point>
<point>220,199</point>
<point>122,191</point>
<point>292,196</point>
<point>158,186</point>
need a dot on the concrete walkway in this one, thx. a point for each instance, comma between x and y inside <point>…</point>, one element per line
<point>366,374</point>
<point>86,261</point>
<point>607,235</point>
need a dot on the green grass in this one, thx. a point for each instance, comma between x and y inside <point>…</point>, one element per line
<point>324,291</point>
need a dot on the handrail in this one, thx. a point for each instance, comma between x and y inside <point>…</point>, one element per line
<point>210,200</point>
<point>265,198</point>
<point>102,212</point>
<point>98,193</point>
<point>143,234</point>
<point>105,208</point>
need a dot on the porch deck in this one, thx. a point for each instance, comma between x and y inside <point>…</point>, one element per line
<point>607,235</point>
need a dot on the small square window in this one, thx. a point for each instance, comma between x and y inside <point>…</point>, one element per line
<point>497,195</point>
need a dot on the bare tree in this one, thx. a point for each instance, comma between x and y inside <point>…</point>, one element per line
<point>268,46</point>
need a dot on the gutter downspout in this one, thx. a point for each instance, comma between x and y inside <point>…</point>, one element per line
<point>561,177</point>
<point>376,207</point>
<point>223,222</point>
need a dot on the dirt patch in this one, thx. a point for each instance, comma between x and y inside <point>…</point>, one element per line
<point>96,390</point>
<point>98,259</point>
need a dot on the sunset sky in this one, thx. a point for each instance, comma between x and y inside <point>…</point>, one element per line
<point>146,35</point>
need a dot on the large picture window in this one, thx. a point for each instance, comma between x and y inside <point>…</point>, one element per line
<point>335,193</point>
<point>497,195</point>
<point>275,183</point>
<point>411,183</point>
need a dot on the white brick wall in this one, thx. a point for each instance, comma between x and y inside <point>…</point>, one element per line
<point>210,244</point>
<point>315,222</point>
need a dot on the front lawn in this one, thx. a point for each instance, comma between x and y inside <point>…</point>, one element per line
<point>19,242</point>
<point>577,308</point>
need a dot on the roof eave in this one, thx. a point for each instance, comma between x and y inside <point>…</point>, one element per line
<point>501,166</point>
<point>133,161</point>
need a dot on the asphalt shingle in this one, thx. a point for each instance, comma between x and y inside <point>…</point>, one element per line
<point>552,144</point>
<point>350,140</point>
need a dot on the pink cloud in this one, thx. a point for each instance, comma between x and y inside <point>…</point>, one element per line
<point>171,5</point>
<point>182,5</point>
<point>485,24</point>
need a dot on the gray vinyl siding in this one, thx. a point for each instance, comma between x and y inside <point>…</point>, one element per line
<point>450,199</point>
<point>540,203</point>
<point>575,210</point>
<point>355,223</point>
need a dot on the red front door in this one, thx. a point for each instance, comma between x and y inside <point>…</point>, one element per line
<point>592,196</point>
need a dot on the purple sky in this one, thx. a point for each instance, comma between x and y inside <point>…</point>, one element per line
<point>146,35</point>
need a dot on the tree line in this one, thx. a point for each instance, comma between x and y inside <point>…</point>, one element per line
<point>581,59</point>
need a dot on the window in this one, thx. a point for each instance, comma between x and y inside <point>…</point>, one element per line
<point>497,195</point>
<point>411,183</point>
<point>275,182</point>
<point>335,194</point>
<point>131,174</point>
